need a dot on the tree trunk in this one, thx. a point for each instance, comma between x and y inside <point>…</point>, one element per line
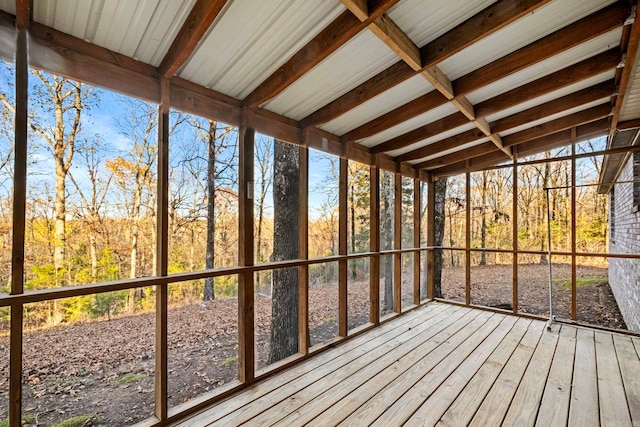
<point>386,236</point>
<point>440,194</point>
<point>284,312</point>
<point>483,228</point>
<point>353,229</point>
<point>209,290</point>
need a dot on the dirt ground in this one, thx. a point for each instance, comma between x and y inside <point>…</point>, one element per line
<point>102,373</point>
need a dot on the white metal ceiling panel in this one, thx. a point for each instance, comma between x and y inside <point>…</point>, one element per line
<point>451,151</point>
<point>143,30</point>
<point>357,61</point>
<point>526,30</point>
<point>252,39</point>
<point>631,102</point>
<point>555,116</point>
<point>425,20</point>
<point>609,75</point>
<point>409,125</point>
<point>556,63</point>
<point>431,140</point>
<point>8,6</point>
<point>395,97</point>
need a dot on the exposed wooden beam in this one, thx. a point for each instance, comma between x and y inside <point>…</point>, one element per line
<point>442,145</point>
<point>423,132</point>
<point>478,150</point>
<point>567,136</point>
<point>584,96</point>
<point>579,32</point>
<point>439,80</point>
<point>23,14</point>
<point>71,57</point>
<point>585,69</point>
<point>358,7</point>
<point>486,22</point>
<point>195,99</point>
<point>629,124</point>
<point>202,15</point>
<point>535,113</point>
<point>630,52</point>
<point>383,81</point>
<point>548,142</point>
<point>588,68</point>
<point>567,122</point>
<point>408,111</point>
<point>483,24</point>
<point>337,33</point>
<point>389,32</point>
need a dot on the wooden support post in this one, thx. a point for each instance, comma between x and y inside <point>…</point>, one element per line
<point>343,324</point>
<point>374,246</point>
<point>19,203</point>
<point>303,253</point>
<point>246,338</point>
<point>514,229</point>
<point>431,237</point>
<point>397,243</point>
<point>162,245</point>
<point>467,240</point>
<point>574,292</point>
<point>417,197</point>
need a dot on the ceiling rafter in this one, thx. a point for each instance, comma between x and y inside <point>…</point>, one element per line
<point>578,32</point>
<point>445,124</point>
<point>549,142</point>
<point>468,153</point>
<point>591,94</point>
<point>593,66</point>
<point>547,128</point>
<point>389,32</point>
<point>330,39</point>
<point>555,81</point>
<point>202,15</point>
<point>484,23</point>
<point>588,115</point>
<point>442,145</point>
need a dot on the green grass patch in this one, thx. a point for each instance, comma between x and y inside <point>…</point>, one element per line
<point>27,419</point>
<point>78,421</point>
<point>229,361</point>
<point>582,282</point>
<point>129,378</point>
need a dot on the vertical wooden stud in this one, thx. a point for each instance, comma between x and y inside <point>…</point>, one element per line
<point>303,253</point>
<point>574,292</point>
<point>514,229</point>
<point>397,243</point>
<point>19,205</point>
<point>246,350</point>
<point>343,323</point>
<point>374,245</point>
<point>162,245</point>
<point>417,198</point>
<point>467,239</point>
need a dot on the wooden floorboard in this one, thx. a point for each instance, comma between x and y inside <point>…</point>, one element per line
<point>584,410</point>
<point>554,408</point>
<point>448,365</point>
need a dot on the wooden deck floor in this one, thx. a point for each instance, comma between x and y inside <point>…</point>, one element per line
<point>451,366</point>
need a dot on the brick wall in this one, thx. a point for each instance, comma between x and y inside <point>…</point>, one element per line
<point>624,274</point>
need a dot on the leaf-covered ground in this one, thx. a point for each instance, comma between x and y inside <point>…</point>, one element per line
<point>104,371</point>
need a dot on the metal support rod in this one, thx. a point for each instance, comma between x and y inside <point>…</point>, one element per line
<point>551,316</point>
